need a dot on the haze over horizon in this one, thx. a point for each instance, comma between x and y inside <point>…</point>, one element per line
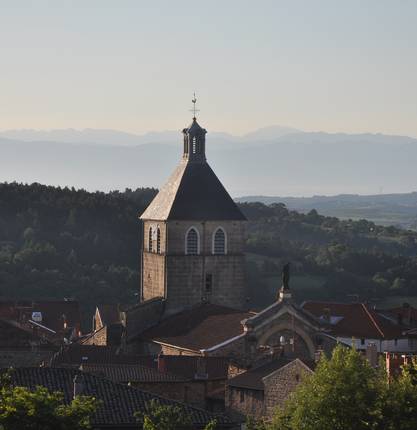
<point>333,66</point>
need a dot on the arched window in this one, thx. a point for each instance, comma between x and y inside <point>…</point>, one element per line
<point>158,241</point>
<point>150,240</point>
<point>219,241</point>
<point>192,245</point>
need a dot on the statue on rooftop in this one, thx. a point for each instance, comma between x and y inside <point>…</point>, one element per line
<point>286,276</point>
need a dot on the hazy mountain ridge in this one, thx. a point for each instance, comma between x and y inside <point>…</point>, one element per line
<point>291,164</point>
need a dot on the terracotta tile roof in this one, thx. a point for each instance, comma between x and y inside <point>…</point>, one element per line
<point>120,402</point>
<point>14,337</point>
<point>408,314</point>
<point>181,365</point>
<point>54,313</point>
<point>252,379</point>
<point>199,328</point>
<point>354,320</point>
<point>125,373</point>
<point>186,366</point>
<point>193,192</point>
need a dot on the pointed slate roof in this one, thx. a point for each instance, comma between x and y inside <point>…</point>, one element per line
<point>193,192</point>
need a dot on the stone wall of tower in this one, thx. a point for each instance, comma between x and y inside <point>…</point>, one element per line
<point>153,263</point>
<point>186,274</point>
<point>181,278</point>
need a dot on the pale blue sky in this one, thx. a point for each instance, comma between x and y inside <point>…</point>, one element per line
<point>132,65</point>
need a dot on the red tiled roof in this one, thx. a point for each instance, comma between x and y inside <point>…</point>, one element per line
<point>408,314</point>
<point>54,313</point>
<point>183,366</point>
<point>199,328</point>
<point>186,366</point>
<point>12,336</point>
<point>356,320</point>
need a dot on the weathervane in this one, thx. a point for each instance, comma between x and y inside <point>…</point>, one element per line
<point>194,110</point>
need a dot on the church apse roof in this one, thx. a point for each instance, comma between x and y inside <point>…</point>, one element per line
<point>193,192</point>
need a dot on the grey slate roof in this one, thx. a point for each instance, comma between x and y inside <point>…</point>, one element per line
<point>120,402</point>
<point>125,373</point>
<point>193,192</point>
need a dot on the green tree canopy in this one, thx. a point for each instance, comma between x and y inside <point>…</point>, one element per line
<point>23,409</point>
<point>167,417</point>
<point>346,393</point>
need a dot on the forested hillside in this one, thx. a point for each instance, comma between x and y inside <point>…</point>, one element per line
<point>61,242</point>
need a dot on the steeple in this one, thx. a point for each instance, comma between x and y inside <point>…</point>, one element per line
<point>194,139</point>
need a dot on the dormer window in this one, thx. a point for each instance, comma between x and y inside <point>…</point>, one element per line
<point>192,242</point>
<point>219,242</point>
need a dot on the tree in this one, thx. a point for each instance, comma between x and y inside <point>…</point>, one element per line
<point>346,393</point>
<point>342,394</point>
<point>167,417</point>
<point>399,402</point>
<point>23,409</point>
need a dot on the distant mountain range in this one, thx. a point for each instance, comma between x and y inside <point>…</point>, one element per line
<point>270,161</point>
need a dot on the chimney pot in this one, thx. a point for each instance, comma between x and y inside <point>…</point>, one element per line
<point>161,363</point>
<point>78,385</point>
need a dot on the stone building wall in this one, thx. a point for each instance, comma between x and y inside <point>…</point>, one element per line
<point>280,384</point>
<point>98,337</point>
<point>142,316</point>
<point>242,402</point>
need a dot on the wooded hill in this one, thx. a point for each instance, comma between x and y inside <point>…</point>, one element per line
<point>60,242</point>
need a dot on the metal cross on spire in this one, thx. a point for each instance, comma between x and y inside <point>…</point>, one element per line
<point>194,110</point>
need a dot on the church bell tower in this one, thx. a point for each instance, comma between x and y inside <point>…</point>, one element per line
<point>193,236</point>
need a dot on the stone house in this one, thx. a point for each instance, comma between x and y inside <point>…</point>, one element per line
<point>261,389</point>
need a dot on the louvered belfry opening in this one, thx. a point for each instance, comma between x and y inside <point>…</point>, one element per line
<point>194,143</point>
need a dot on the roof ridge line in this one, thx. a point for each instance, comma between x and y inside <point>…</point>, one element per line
<point>185,162</point>
<point>372,319</point>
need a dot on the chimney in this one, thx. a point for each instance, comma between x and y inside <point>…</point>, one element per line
<point>407,313</point>
<point>372,354</point>
<point>162,366</point>
<point>78,385</point>
<point>317,355</point>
